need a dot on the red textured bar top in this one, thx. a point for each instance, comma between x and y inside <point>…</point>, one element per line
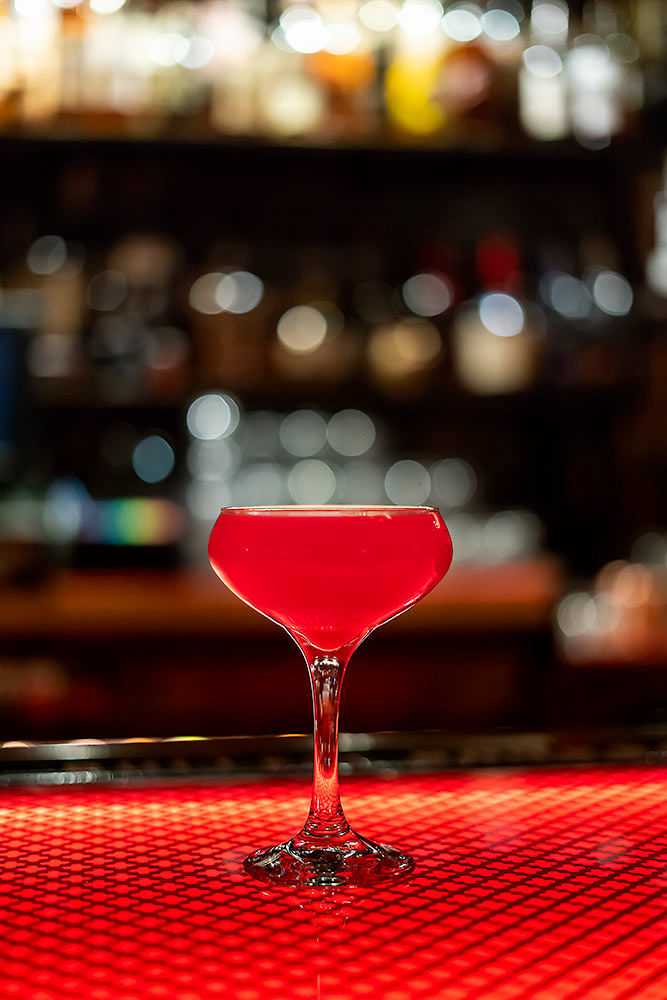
<point>542,885</point>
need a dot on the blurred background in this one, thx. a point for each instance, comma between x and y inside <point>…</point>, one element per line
<point>258,252</point>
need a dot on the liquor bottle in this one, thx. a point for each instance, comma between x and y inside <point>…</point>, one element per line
<point>37,61</point>
<point>497,337</point>
<point>543,101</point>
<point>411,80</point>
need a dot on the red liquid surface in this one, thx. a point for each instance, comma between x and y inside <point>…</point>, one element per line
<point>330,574</point>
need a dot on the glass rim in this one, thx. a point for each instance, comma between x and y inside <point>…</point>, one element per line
<point>332,509</point>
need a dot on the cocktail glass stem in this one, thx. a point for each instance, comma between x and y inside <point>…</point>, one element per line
<point>326,818</point>
<point>327,852</point>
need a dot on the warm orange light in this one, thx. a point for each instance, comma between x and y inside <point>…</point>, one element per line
<point>345,72</point>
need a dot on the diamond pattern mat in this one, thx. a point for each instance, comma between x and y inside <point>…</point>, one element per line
<point>543,885</point>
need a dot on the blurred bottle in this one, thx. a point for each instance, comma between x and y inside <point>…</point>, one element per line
<point>411,80</point>
<point>289,102</point>
<point>50,284</point>
<point>238,60</point>
<point>117,69</point>
<point>345,71</point>
<point>311,339</point>
<point>497,338</point>
<point>231,309</point>
<point>543,102</point>
<point>37,61</point>
<point>476,86</point>
<point>134,341</point>
<point>333,71</point>
<point>603,79</point>
<point>588,299</point>
<point>72,81</point>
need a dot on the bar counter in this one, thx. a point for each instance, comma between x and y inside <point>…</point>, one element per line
<point>531,884</point>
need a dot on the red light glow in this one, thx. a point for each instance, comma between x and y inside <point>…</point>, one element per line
<point>543,885</point>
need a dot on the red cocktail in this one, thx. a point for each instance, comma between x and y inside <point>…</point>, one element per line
<point>329,576</point>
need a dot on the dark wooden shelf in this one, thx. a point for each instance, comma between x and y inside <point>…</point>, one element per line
<point>630,150</point>
<point>116,605</point>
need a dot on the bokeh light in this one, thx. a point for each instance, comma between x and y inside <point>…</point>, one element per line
<point>213,415</point>
<point>204,499</point>
<point>542,61</point>
<point>106,6</point>
<point>453,482</point>
<point>203,293</point>
<point>351,432</point>
<point>239,292</point>
<point>311,481</point>
<point>335,319</point>
<point>500,25</point>
<point>494,349</point>
<point>153,459</point>
<point>427,293</point>
<point>501,314</point>
<point>64,505</point>
<point>511,534</point>
<point>623,47</point>
<point>407,482</point>
<point>420,17</point>
<point>169,48</point>
<point>550,18</point>
<point>259,484</point>
<point>612,293</point>
<point>47,255</point>
<point>31,8</point>
<point>213,460</point>
<point>200,52</point>
<point>342,37</point>
<point>279,40</point>
<point>303,433</point>
<point>462,22</point>
<point>566,294</point>
<point>259,434</point>
<point>594,78</point>
<point>362,482</point>
<point>135,521</point>
<point>651,549</point>
<point>588,62</point>
<point>302,329</point>
<point>466,532</point>
<point>576,614</point>
<point>404,348</point>
<point>235,30</point>
<point>303,29</point>
<point>293,104</point>
<point>107,290</point>
<point>379,15</point>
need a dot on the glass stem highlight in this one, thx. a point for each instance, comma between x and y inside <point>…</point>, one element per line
<point>326,819</point>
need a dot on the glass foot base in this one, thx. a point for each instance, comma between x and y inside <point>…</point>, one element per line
<point>352,861</point>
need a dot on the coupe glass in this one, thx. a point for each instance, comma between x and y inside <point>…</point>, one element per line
<point>329,575</point>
